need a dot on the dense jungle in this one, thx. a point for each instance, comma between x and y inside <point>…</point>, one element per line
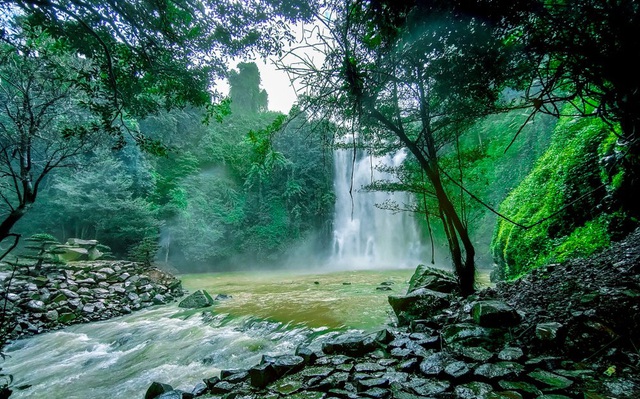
<point>323,199</point>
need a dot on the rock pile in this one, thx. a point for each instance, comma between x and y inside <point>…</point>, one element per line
<point>81,292</point>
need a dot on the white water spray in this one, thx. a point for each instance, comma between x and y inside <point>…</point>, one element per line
<point>365,236</point>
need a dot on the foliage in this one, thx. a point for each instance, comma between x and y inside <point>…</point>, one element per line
<point>161,54</point>
<point>145,251</point>
<point>46,118</point>
<point>94,201</point>
<point>561,199</point>
<point>244,89</point>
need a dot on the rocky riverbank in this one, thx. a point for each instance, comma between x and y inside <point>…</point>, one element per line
<point>80,292</point>
<point>565,331</point>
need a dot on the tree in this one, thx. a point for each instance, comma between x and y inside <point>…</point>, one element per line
<point>398,77</point>
<point>161,54</point>
<point>244,89</point>
<point>45,123</point>
<point>582,52</point>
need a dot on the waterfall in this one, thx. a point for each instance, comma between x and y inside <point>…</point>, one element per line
<point>365,236</point>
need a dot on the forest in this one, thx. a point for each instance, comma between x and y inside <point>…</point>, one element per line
<point>516,125</point>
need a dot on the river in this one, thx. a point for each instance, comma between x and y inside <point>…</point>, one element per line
<point>269,313</point>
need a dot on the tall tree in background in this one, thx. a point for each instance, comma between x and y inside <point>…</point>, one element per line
<point>244,89</point>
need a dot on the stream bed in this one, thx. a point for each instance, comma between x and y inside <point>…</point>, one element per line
<point>269,313</point>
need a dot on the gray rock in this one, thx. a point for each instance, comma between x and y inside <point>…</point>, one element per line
<point>368,383</point>
<point>52,315</point>
<point>457,370</point>
<point>548,331</point>
<point>475,353</point>
<point>473,390</point>
<point>492,371</point>
<point>198,299</point>
<point>262,375</point>
<point>418,304</point>
<point>66,318</point>
<point>156,389</point>
<point>36,306</point>
<point>88,309</point>
<point>351,344</point>
<point>107,270</point>
<point>510,354</point>
<point>13,297</point>
<point>494,314</point>
<point>435,364</point>
<point>430,387</point>
<point>432,279</point>
<point>287,364</point>
<point>468,334</point>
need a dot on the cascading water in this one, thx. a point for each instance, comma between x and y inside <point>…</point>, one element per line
<point>365,236</point>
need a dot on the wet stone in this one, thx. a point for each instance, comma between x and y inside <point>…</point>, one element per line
<point>344,367</point>
<point>510,354</point>
<point>399,342</point>
<point>457,370</point>
<point>400,353</point>
<point>519,386</point>
<point>336,380</point>
<point>408,365</point>
<point>237,377</point>
<point>316,371</point>
<point>365,376</point>
<point>476,353</point>
<point>548,331</point>
<point>431,387</point>
<point>366,384</point>
<point>377,393</point>
<point>396,377</point>
<point>434,364</point>
<point>499,370</point>
<point>304,395</point>
<point>286,386</point>
<point>343,394</point>
<point>550,380</point>
<point>368,367</point>
<point>473,390</point>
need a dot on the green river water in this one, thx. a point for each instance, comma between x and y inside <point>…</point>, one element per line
<point>269,313</point>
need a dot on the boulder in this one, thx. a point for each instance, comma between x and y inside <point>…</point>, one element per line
<point>287,364</point>
<point>432,279</point>
<point>156,389</point>
<point>418,304</point>
<point>494,314</point>
<point>262,375</point>
<point>468,334</point>
<point>70,254</point>
<point>36,306</point>
<point>198,299</point>
<point>350,344</point>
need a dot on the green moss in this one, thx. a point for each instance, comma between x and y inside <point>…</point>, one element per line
<point>557,202</point>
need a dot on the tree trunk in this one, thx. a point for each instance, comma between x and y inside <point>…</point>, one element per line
<point>12,218</point>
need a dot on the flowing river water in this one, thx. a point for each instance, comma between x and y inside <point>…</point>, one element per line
<point>269,313</point>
